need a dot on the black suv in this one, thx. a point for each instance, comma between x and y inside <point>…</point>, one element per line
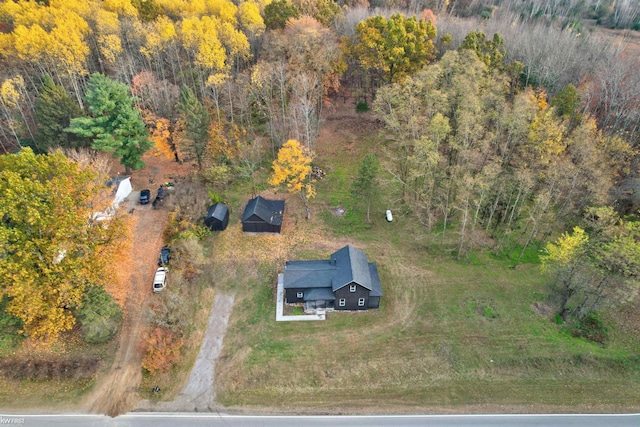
<point>165,256</point>
<point>145,195</point>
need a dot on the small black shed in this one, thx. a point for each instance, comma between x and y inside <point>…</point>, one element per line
<point>263,216</point>
<point>218,217</point>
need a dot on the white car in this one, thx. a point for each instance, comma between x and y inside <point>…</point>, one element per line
<point>388,215</point>
<point>160,279</point>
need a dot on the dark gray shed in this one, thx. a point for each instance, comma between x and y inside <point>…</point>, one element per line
<point>218,217</point>
<point>263,216</point>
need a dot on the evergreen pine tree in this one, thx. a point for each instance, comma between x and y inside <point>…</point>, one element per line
<point>54,110</point>
<point>196,121</point>
<point>114,125</point>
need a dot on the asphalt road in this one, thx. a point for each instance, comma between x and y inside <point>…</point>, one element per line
<point>221,420</point>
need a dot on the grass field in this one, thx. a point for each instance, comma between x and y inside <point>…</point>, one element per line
<point>476,333</point>
<point>470,335</point>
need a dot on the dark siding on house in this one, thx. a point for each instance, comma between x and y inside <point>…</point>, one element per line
<point>291,295</point>
<point>256,225</point>
<point>374,302</point>
<point>263,216</point>
<point>351,298</point>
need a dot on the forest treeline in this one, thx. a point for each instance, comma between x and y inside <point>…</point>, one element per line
<point>609,13</point>
<point>250,68</point>
<point>501,131</point>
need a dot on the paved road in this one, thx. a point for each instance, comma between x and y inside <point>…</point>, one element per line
<point>220,420</point>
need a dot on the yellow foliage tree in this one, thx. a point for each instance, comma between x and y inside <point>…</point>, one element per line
<point>200,36</point>
<point>292,170</point>
<point>160,34</point>
<point>546,135</point>
<point>234,41</point>
<point>50,38</point>
<point>223,9</point>
<point>250,18</point>
<point>52,247</point>
<point>121,7</point>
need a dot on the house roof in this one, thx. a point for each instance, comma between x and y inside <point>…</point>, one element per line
<point>376,288</point>
<point>316,294</point>
<point>345,266</point>
<point>270,211</point>
<point>308,274</point>
<point>351,266</point>
<point>218,211</point>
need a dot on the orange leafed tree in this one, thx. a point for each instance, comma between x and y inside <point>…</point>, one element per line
<point>162,350</point>
<point>159,133</point>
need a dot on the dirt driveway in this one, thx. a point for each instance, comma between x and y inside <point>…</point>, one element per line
<point>117,393</point>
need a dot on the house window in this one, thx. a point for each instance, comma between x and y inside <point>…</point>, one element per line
<point>352,288</point>
<point>342,302</point>
<point>360,302</point>
<point>300,294</point>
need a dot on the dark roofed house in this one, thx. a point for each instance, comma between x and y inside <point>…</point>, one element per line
<point>263,216</point>
<point>347,281</point>
<point>218,217</point>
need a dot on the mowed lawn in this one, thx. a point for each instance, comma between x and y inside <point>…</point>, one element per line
<point>451,335</point>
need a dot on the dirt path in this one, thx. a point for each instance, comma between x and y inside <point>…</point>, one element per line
<point>117,392</point>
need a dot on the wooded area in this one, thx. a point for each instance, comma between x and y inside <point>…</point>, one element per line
<point>506,127</point>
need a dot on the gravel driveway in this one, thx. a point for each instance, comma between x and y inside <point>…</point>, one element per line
<point>198,395</point>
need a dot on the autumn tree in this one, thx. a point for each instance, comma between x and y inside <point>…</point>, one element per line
<point>395,47</point>
<point>301,66</point>
<point>48,39</point>
<point>490,51</point>
<point>160,133</point>
<point>292,170</point>
<point>595,266</point>
<point>52,249</point>
<point>195,123</point>
<point>156,95</point>
<point>114,125</point>
<point>278,12</point>
<point>11,97</point>
<point>365,186</point>
<point>467,152</point>
<point>324,11</point>
<point>162,349</point>
<point>54,110</point>
<point>250,19</point>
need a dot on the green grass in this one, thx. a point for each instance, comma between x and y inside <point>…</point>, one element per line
<point>449,332</point>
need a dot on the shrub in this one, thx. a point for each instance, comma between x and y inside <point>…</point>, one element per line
<point>362,107</point>
<point>591,328</point>
<point>162,350</point>
<point>214,198</point>
<point>99,315</point>
<point>172,313</point>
